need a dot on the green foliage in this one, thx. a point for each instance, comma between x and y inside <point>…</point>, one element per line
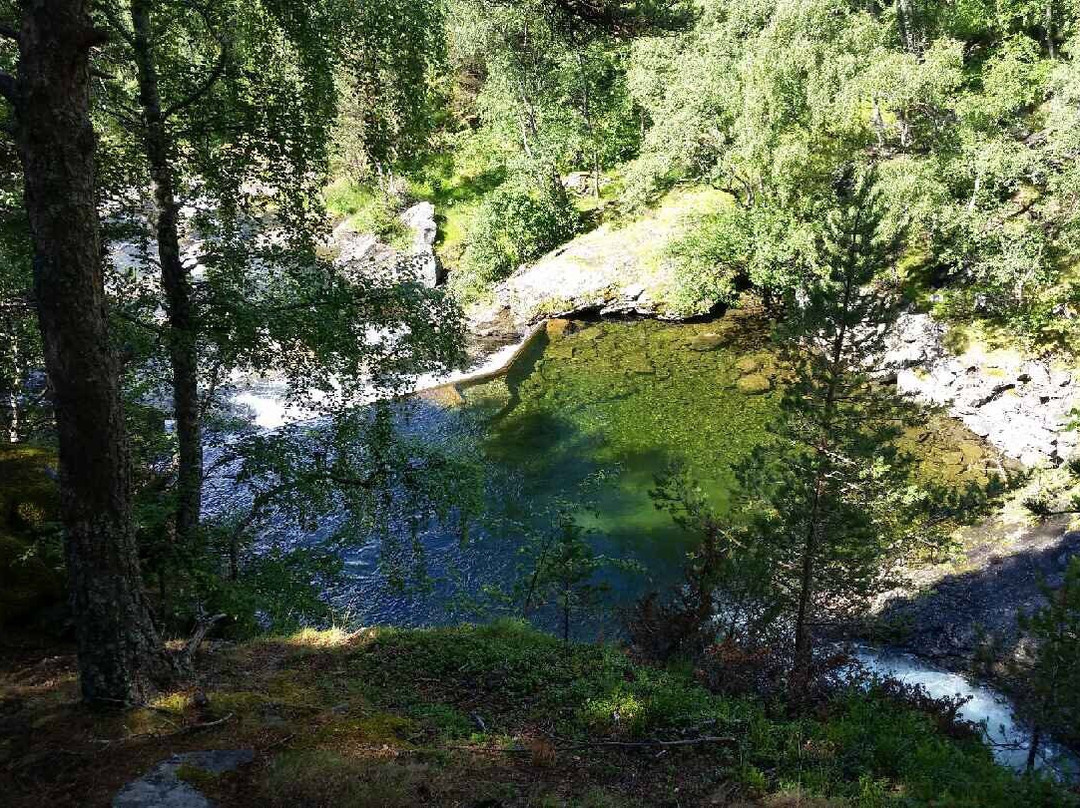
<point>513,225</point>
<point>832,503</point>
<point>31,556</point>
<point>391,63</point>
<point>710,259</point>
<point>1055,631</point>
<point>960,104</point>
<point>369,210</point>
<point>359,466</point>
<point>863,747</point>
<point>564,573</point>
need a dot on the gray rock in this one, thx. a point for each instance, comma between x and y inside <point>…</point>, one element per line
<point>420,261</point>
<point>420,218</point>
<point>1024,410</point>
<point>161,788</point>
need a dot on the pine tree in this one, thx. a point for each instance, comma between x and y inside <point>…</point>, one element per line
<point>1052,677</point>
<point>830,485</point>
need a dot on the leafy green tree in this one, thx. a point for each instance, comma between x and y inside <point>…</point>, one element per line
<point>725,597</point>
<point>513,225</point>
<point>120,653</point>
<point>389,76</point>
<point>227,111</point>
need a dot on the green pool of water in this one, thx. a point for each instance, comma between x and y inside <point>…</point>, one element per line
<point>591,414</point>
<point>587,418</point>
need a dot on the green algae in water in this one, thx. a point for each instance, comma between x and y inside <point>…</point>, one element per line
<point>593,417</point>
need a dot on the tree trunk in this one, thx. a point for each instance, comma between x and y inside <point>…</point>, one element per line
<point>1051,48</point>
<point>804,647</point>
<point>183,354</point>
<point>909,31</point>
<point>1033,748</point>
<point>120,653</point>
<point>804,641</point>
<point>586,114</point>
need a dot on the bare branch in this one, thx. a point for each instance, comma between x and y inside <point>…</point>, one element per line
<point>196,639</point>
<point>203,88</point>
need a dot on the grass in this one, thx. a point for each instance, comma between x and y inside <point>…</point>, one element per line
<point>368,210</point>
<point>493,715</point>
<point>455,181</point>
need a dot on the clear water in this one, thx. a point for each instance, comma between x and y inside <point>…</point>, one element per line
<point>1008,736</point>
<point>581,422</point>
<point>585,421</point>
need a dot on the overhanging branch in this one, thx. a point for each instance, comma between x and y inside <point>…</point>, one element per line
<point>204,88</point>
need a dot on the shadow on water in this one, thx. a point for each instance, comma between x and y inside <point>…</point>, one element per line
<point>964,610</point>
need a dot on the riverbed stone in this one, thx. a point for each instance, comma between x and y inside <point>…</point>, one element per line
<point>161,787</point>
<point>754,384</point>
<point>747,364</point>
<point>1019,405</point>
<point>708,342</point>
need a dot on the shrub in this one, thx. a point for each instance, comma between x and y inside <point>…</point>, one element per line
<point>514,224</point>
<point>709,259</point>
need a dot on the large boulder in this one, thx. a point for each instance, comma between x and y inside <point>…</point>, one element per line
<point>611,271</point>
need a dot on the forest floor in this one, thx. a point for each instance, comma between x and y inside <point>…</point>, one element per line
<point>494,716</point>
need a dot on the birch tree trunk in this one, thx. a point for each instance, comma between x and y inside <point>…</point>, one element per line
<point>183,355</point>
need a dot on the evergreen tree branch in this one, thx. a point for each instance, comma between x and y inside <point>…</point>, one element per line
<point>8,32</point>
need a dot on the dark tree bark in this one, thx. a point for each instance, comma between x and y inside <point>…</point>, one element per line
<point>120,653</point>
<point>183,351</point>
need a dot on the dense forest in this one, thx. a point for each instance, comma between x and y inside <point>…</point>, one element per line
<point>556,402</point>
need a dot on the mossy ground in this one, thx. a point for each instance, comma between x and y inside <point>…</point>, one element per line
<point>30,576</point>
<point>498,715</point>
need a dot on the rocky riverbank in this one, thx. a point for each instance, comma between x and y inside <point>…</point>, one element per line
<point>1020,405</point>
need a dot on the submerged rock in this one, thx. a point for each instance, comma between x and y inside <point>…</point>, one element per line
<point>708,342</point>
<point>754,384</point>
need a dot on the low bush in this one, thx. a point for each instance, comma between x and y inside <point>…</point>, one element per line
<point>514,224</point>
